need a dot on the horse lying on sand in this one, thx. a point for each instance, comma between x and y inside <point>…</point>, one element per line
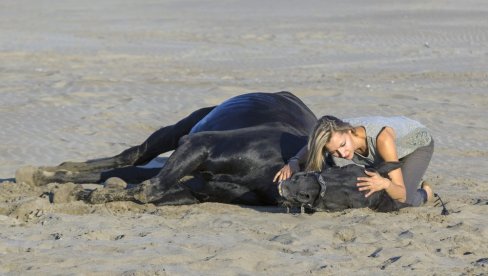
<point>227,153</point>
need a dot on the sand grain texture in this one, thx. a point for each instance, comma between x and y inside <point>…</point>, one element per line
<point>87,79</point>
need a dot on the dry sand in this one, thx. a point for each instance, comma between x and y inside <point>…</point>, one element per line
<point>87,79</point>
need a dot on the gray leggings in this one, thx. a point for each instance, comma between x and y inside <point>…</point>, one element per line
<point>413,168</point>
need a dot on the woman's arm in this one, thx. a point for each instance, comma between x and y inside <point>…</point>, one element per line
<point>293,165</point>
<point>301,155</point>
<point>393,185</point>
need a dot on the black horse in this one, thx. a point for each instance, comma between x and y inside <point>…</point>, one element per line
<point>227,153</point>
<point>230,151</point>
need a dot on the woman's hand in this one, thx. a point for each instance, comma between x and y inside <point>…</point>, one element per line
<point>373,182</point>
<point>287,171</point>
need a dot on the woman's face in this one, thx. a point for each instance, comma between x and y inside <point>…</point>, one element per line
<point>341,145</point>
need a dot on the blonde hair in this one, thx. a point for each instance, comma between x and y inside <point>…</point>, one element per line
<point>320,136</point>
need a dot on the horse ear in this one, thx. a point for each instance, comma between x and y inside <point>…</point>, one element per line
<point>387,167</point>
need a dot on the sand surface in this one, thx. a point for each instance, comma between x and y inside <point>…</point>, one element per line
<point>87,79</point>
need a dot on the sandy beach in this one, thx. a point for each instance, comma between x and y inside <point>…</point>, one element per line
<point>87,79</point>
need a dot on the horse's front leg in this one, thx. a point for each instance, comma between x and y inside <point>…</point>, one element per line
<point>166,188</point>
<point>104,195</point>
<point>144,193</point>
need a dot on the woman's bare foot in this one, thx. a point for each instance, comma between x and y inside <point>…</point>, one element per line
<point>428,190</point>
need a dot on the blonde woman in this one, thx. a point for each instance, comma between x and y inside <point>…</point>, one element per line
<point>369,141</point>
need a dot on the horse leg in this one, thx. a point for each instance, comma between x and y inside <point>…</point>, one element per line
<point>187,191</point>
<point>166,187</point>
<point>176,195</point>
<point>163,140</point>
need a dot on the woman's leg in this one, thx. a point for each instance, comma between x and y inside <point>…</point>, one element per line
<point>413,169</point>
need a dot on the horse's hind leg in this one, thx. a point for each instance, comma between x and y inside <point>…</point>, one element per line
<point>40,176</point>
<point>167,187</point>
<point>163,140</point>
<point>178,194</point>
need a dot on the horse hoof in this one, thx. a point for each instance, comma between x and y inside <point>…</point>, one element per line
<point>115,183</point>
<point>27,175</point>
<point>67,192</point>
